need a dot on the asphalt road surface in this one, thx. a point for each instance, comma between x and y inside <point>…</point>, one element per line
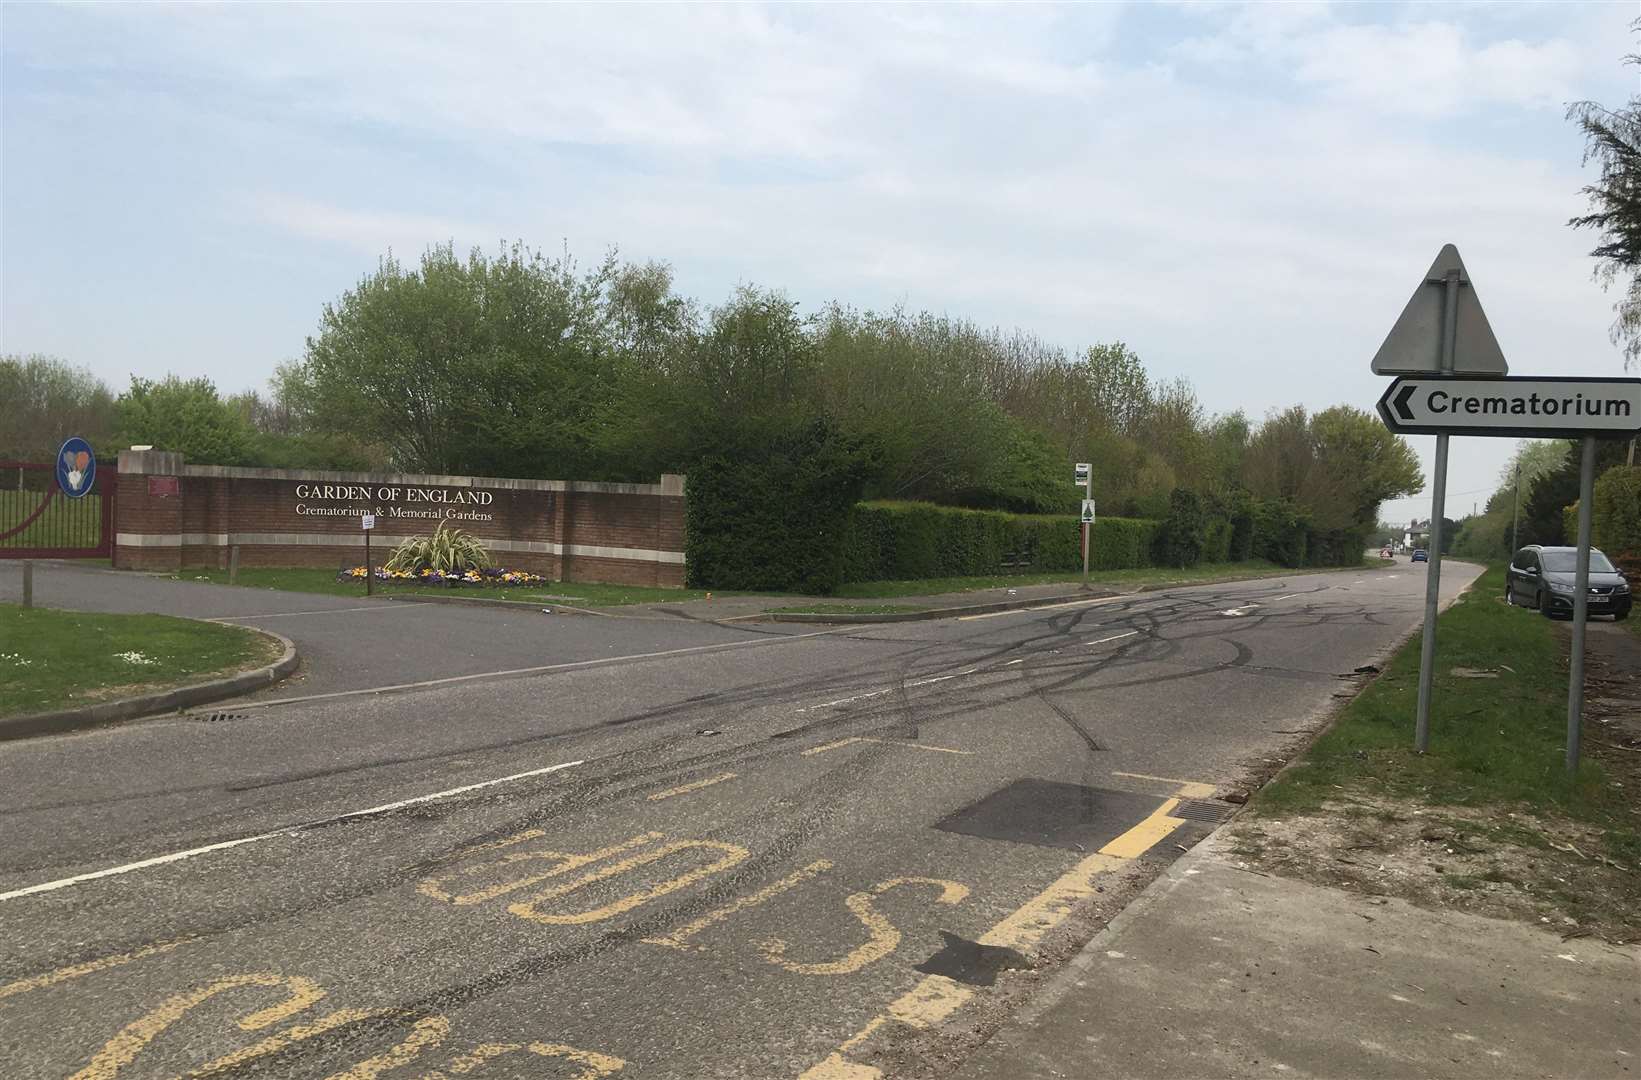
<point>676,851</point>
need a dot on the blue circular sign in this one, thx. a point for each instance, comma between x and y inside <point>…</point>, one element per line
<point>76,467</point>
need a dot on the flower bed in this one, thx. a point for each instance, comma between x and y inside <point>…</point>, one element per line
<point>493,576</point>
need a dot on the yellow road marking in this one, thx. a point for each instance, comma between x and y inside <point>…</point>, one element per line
<point>813,750</point>
<point>1188,789</point>
<point>687,788</point>
<point>74,971</point>
<point>835,1068</point>
<point>1140,839</point>
<point>294,1034</point>
<point>678,939</point>
<point>425,1034</point>
<point>937,997</point>
<point>884,937</point>
<point>434,886</point>
<point>123,1048</point>
<point>1025,926</point>
<point>865,1032</point>
<point>528,908</point>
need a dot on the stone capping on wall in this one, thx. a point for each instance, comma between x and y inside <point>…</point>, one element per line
<point>170,463</point>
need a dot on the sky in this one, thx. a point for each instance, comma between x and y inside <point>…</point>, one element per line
<point>1244,194</point>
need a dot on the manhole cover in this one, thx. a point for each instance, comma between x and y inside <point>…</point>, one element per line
<point>1051,814</point>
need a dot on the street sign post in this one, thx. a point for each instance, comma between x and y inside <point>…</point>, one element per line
<point>1524,406</point>
<point>1085,478</point>
<point>1441,331</point>
<point>1452,381</point>
<point>367,522</point>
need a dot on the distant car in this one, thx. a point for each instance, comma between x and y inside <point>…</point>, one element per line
<point>1421,555</point>
<point>1544,577</point>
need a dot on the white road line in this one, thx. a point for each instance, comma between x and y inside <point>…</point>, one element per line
<point>542,670</point>
<point>1019,661</point>
<point>178,856</point>
<point>847,700</point>
<point>1243,610</point>
<point>1043,607</point>
<point>1290,596</point>
<point>322,611</point>
<point>885,690</point>
<point>1113,637</point>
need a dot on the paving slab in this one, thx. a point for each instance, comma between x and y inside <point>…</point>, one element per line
<point>1218,971</point>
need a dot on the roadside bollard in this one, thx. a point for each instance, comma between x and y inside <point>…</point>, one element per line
<point>233,565</point>
<point>28,583</point>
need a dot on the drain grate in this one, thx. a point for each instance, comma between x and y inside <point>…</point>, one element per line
<point>212,718</point>
<point>1196,810</point>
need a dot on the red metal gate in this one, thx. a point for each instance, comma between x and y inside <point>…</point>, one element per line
<point>37,521</point>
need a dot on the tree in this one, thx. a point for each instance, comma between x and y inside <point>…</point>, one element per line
<point>1612,139</point>
<point>45,401</point>
<point>1339,465</point>
<point>1541,514</point>
<point>185,415</point>
<point>489,365</point>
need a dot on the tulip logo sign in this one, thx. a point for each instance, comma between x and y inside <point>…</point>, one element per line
<point>76,467</point>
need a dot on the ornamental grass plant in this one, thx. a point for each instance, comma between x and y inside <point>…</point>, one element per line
<point>447,552</point>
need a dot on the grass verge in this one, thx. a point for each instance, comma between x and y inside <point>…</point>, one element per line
<point>1493,740</point>
<point>52,659</point>
<point>1487,819</point>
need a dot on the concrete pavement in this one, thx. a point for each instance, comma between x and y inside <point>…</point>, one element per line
<point>1220,972</point>
<point>736,855</point>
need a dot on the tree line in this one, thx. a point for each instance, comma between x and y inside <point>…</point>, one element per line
<point>520,364</point>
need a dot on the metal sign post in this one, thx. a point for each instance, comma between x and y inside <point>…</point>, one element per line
<point>368,523</point>
<point>1581,606</point>
<point>1088,533</point>
<point>1427,339</point>
<point>1470,395</point>
<point>1085,477</point>
<point>1438,509</point>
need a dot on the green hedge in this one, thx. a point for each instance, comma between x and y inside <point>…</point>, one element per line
<point>771,513</point>
<point>1280,532</point>
<point>898,541</point>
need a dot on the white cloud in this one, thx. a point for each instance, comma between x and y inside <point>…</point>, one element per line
<point>368,232</point>
<point>1246,194</point>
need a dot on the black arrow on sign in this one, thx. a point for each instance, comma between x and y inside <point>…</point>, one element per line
<point>1401,402</point>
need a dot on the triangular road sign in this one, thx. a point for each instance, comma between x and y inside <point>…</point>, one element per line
<point>1414,346</point>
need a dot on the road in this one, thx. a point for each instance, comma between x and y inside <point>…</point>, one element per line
<point>678,851</point>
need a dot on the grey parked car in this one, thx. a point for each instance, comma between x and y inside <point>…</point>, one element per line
<point>1542,577</point>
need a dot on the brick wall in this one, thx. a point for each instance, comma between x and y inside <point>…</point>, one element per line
<point>569,530</point>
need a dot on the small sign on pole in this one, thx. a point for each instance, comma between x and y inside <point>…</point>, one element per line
<point>1084,471</point>
<point>368,522</point>
<point>1088,511</point>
